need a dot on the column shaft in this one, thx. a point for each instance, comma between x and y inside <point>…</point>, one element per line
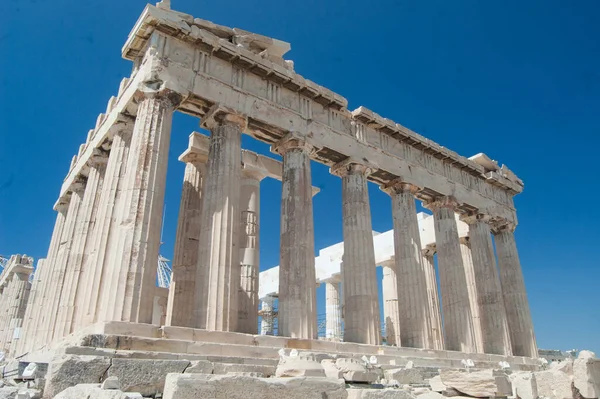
<point>361,302</point>
<point>249,252</point>
<point>465,250</point>
<point>16,308</point>
<point>297,284</point>
<point>217,275</point>
<point>180,308</point>
<point>82,240</point>
<point>458,323</point>
<point>520,325</point>
<point>333,317</point>
<point>59,266</point>
<point>266,325</point>
<point>141,211</point>
<point>100,284</point>
<point>391,311</point>
<point>434,301</point>
<point>33,305</point>
<point>415,319</point>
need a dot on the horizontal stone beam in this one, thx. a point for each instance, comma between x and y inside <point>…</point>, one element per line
<point>198,151</point>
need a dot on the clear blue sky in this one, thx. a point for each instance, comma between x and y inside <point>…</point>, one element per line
<point>517,80</point>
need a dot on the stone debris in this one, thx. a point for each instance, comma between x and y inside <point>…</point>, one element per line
<point>386,393</point>
<point>556,381</point>
<point>145,376</point>
<point>92,391</point>
<point>480,383</point>
<point>192,386</point>
<point>111,383</point>
<point>200,367</point>
<point>405,375</point>
<point>586,374</point>
<point>355,371</point>
<point>303,364</point>
<point>68,370</point>
<point>524,385</point>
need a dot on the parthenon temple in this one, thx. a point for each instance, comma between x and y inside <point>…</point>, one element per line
<point>452,281</point>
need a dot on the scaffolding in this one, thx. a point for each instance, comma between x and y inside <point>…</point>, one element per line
<point>164,272</point>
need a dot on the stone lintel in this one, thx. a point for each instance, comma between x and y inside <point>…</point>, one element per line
<point>351,166</point>
<point>221,115</point>
<point>502,225</point>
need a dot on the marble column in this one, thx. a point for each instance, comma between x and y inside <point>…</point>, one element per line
<point>492,314</point>
<point>391,311</point>
<point>465,249</point>
<point>141,210</point>
<point>297,281</point>
<point>216,299</point>
<point>82,243</point>
<point>249,250</point>
<point>16,302</point>
<point>333,311</point>
<point>59,266</point>
<point>458,323</point>
<point>37,328</point>
<point>520,325</point>
<point>415,319</point>
<point>100,283</point>
<point>180,308</point>
<point>267,318</point>
<point>31,311</point>
<point>361,302</point>
<point>433,299</point>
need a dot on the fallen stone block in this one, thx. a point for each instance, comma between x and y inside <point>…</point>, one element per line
<point>300,365</point>
<point>192,386</point>
<point>404,375</point>
<point>524,385</point>
<point>29,394</point>
<point>200,367</point>
<point>386,393</point>
<point>331,370</point>
<point>586,374</point>
<point>480,383</point>
<point>94,391</point>
<point>554,383</point>
<point>428,395</point>
<point>68,370</point>
<point>8,392</point>
<point>436,384</point>
<point>254,369</point>
<point>145,376</point>
<point>355,371</point>
<point>111,383</point>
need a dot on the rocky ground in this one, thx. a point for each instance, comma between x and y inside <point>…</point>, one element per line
<point>301,375</point>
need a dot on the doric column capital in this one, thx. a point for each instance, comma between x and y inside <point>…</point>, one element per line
<point>78,185</point>
<point>502,225</point>
<point>429,250</point>
<point>446,201</point>
<point>250,172</point>
<point>465,241</point>
<point>219,115</point>
<point>99,157</point>
<point>292,140</point>
<point>351,167</point>
<point>398,186</point>
<point>146,90</point>
<point>475,217</point>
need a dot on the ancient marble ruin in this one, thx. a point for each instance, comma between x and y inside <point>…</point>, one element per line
<point>95,293</point>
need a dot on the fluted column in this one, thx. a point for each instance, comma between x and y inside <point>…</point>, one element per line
<point>415,320</point>
<point>100,284</point>
<point>249,250</point>
<point>180,309</point>
<point>216,299</point>
<point>19,290</point>
<point>333,311</point>
<point>458,323</point>
<point>465,249</point>
<point>267,318</point>
<point>141,209</point>
<point>59,266</point>
<point>31,312</point>
<point>433,299</point>
<point>391,311</point>
<point>82,244</point>
<point>520,325</point>
<point>297,284</point>
<point>492,314</point>
<point>361,302</point>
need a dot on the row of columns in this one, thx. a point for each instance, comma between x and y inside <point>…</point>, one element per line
<point>15,289</point>
<point>101,262</point>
